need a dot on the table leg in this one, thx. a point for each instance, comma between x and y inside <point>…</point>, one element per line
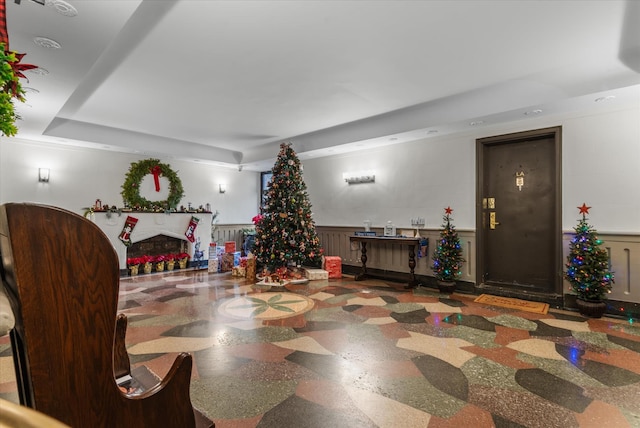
<point>413,283</point>
<point>363,258</point>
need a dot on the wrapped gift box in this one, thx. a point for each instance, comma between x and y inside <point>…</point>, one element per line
<point>230,247</point>
<point>236,258</point>
<point>238,271</point>
<point>315,274</point>
<point>214,265</point>
<point>227,262</point>
<point>333,265</point>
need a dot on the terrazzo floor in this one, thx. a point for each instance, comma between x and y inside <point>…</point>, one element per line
<point>340,353</point>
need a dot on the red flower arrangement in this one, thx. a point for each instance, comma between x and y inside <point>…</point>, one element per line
<point>142,260</point>
<point>134,261</point>
<point>256,219</point>
<point>146,259</point>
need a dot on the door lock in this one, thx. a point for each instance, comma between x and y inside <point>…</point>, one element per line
<point>492,220</point>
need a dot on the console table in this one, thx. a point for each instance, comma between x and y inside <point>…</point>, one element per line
<point>410,242</point>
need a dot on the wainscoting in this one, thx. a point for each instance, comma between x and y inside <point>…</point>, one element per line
<point>624,254</point>
<point>394,258</point>
<point>624,251</point>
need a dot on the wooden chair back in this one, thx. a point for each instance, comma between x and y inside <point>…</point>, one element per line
<point>61,275</point>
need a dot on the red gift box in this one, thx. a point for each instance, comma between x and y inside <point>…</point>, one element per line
<point>333,265</point>
<point>230,247</point>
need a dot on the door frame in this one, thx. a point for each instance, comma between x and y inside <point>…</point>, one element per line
<point>556,134</point>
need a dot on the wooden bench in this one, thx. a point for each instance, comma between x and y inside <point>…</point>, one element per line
<point>61,276</point>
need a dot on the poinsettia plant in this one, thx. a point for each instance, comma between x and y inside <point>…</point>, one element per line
<point>257,218</point>
<point>10,88</point>
<point>134,261</point>
<point>146,259</point>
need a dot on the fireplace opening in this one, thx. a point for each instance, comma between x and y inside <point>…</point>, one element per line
<point>158,245</point>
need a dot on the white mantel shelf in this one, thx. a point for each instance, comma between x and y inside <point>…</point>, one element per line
<point>152,224</point>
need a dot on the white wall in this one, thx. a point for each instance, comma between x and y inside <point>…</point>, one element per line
<point>414,180</point>
<point>79,176</point>
<point>601,167</point>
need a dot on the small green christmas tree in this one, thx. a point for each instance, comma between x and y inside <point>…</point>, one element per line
<point>285,231</point>
<point>447,257</point>
<point>587,263</point>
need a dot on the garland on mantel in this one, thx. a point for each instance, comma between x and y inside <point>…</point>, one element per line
<point>131,187</point>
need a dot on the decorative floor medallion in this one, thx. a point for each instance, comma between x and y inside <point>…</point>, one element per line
<point>266,306</point>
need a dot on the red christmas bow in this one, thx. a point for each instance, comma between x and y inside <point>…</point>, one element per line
<point>156,171</point>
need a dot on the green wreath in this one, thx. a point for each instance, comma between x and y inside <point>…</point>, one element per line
<point>131,187</point>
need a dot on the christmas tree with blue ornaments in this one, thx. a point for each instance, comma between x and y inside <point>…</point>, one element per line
<point>447,257</point>
<point>285,230</point>
<point>588,263</point>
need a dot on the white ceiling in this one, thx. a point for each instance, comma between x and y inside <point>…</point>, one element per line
<point>224,82</point>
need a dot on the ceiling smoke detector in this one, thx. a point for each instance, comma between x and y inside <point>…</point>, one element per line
<point>47,43</point>
<point>62,7</point>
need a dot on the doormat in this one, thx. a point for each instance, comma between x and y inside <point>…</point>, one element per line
<point>508,302</point>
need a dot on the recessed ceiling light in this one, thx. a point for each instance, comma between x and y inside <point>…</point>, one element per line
<point>533,112</point>
<point>393,139</point>
<point>39,71</point>
<point>45,42</point>
<point>432,131</point>
<point>476,122</point>
<point>62,7</point>
<point>607,98</point>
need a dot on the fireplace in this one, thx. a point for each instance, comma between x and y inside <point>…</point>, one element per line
<point>158,245</point>
<point>155,233</point>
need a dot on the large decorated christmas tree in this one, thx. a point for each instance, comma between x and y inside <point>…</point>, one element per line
<point>447,258</point>
<point>588,263</point>
<point>285,231</point>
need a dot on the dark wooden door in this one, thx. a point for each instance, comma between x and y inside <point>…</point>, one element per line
<point>519,212</point>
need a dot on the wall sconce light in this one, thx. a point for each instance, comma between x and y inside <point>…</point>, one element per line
<point>222,187</point>
<point>359,177</point>
<point>43,175</point>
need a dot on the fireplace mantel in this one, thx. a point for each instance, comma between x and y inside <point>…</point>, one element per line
<point>152,224</point>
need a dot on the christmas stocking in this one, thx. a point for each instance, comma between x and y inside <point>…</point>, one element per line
<point>190,233</point>
<point>125,235</point>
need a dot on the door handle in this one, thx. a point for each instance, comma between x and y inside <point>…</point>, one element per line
<point>492,220</point>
